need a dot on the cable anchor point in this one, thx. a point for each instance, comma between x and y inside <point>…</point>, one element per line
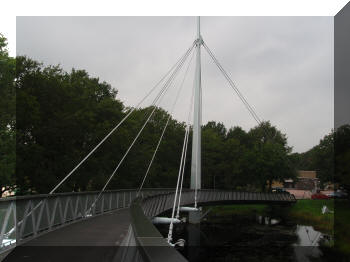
<point>199,41</point>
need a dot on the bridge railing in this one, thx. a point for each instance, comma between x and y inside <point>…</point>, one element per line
<point>156,204</point>
<point>25,217</point>
<point>151,245</point>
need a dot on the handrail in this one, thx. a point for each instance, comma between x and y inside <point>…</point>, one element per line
<point>21,219</point>
<point>151,244</point>
<point>11,198</point>
<point>61,209</point>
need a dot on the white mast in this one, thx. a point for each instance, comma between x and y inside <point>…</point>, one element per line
<point>197,117</point>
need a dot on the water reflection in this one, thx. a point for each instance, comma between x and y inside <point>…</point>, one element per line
<point>307,236</point>
<point>309,239</point>
<point>267,220</point>
<point>249,238</point>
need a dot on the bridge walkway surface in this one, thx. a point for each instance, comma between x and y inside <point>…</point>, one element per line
<point>95,239</point>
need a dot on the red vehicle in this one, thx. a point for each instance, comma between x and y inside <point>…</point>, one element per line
<point>319,196</point>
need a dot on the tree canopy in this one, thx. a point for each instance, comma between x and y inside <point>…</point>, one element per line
<point>7,118</point>
<point>330,158</point>
<point>62,115</point>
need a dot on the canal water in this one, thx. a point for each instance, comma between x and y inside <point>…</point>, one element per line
<point>251,237</point>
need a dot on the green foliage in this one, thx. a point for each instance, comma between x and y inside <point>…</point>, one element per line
<point>309,212</point>
<point>60,116</point>
<point>330,158</point>
<point>342,226</point>
<point>7,118</point>
<point>342,156</point>
<point>237,159</point>
<point>251,209</point>
<point>324,158</point>
<point>63,115</point>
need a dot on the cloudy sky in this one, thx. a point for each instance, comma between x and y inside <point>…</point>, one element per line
<point>282,65</point>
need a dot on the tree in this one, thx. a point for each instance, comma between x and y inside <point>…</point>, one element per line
<point>239,134</point>
<point>212,157</point>
<point>320,158</point>
<point>7,118</point>
<point>268,159</point>
<point>218,128</point>
<point>342,156</point>
<point>61,117</point>
<point>323,155</point>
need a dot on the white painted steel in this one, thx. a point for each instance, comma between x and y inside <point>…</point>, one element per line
<point>189,209</point>
<point>23,219</point>
<point>165,220</point>
<point>197,117</point>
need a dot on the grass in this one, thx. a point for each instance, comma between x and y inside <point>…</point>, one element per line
<point>308,212</point>
<point>342,226</point>
<point>238,210</point>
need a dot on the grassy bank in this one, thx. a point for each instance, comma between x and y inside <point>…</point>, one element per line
<point>342,226</point>
<point>238,210</point>
<point>304,212</point>
<point>308,212</point>
<point>336,224</point>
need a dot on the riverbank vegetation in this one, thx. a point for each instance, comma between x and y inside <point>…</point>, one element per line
<point>309,212</point>
<point>239,209</point>
<point>342,226</point>
<point>304,212</point>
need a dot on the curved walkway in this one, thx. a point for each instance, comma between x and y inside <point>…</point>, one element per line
<point>95,239</point>
<point>101,238</point>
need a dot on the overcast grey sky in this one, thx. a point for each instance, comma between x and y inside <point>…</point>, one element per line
<point>282,65</point>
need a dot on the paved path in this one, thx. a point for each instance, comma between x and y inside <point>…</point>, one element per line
<point>94,239</point>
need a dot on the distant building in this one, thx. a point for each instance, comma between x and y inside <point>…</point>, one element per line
<point>306,180</point>
<point>307,174</point>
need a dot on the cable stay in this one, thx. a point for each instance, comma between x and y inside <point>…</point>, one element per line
<point>122,121</point>
<point>195,105</point>
<point>171,71</point>
<point>155,103</point>
<point>165,127</point>
<point>190,115</point>
<point>244,100</point>
<point>180,174</point>
<point>233,85</point>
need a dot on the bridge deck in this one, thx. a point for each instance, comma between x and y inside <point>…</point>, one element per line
<point>100,238</point>
<point>94,239</point>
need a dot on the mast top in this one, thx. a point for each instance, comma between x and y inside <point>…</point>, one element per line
<point>198,26</point>
<point>199,39</point>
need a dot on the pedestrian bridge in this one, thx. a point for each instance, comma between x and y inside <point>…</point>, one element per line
<point>41,223</point>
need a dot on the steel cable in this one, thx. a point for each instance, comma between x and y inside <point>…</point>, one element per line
<point>165,127</point>
<point>154,104</point>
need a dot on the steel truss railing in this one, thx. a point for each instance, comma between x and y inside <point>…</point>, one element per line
<point>155,204</point>
<point>31,219</point>
<point>152,246</point>
<point>27,217</point>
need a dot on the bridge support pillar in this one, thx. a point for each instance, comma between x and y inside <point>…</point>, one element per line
<point>194,217</point>
<point>194,242</point>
